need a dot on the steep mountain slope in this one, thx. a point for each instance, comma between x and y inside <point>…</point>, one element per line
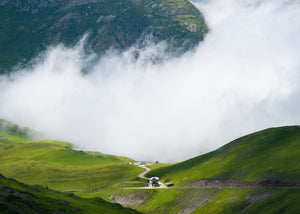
<point>271,155</point>
<point>16,197</point>
<point>27,27</point>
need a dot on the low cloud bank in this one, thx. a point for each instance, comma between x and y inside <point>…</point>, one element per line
<point>244,77</point>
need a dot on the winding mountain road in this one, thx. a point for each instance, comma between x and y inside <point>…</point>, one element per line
<point>142,175</point>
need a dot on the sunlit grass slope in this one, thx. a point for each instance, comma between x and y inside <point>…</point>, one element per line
<point>57,165</point>
<point>272,154</point>
<point>12,135</point>
<point>16,197</point>
<point>253,201</point>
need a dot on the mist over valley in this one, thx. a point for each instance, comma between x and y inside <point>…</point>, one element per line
<point>243,77</point>
<point>150,106</point>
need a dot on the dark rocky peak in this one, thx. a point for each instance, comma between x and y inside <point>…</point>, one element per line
<point>32,5</point>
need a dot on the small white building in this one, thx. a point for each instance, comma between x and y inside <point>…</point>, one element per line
<point>154,181</point>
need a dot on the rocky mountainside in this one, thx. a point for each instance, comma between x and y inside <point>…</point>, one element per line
<point>28,27</point>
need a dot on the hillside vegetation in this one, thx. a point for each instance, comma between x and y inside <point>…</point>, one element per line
<point>56,165</point>
<point>19,198</point>
<point>272,154</point>
<point>12,135</point>
<point>28,27</point>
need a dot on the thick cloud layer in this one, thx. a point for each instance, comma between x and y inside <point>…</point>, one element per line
<point>244,77</point>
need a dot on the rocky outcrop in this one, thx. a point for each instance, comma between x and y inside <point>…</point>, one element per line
<point>231,182</point>
<point>277,183</point>
<point>221,182</point>
<point>134,199</point>
<point>29,26</point>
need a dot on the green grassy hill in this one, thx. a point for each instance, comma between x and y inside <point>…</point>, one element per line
<point>56,165</point>
<point>272,154</point>
<point>12,135</point>
<point>18,198</point>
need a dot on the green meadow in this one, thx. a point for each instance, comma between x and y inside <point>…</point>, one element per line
<point>12,135</point>
<point>56,165</point>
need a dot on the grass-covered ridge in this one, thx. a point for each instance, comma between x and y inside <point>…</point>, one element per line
<point>16,197</point>
<point>271,154</point>
<point>57,165</point>
<point>54,164</point>
<point>12,135</point>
